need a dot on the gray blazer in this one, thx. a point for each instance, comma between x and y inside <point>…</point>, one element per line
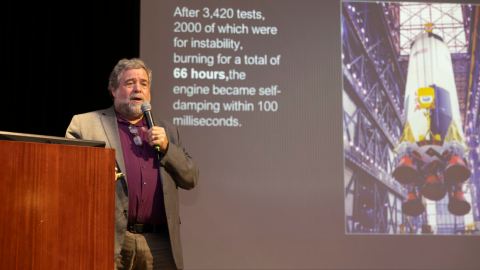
<point>177,169</point>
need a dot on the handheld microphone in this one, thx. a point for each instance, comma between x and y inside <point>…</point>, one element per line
<point>146,109</point>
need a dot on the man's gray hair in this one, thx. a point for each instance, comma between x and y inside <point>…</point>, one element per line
<point>126,64</point>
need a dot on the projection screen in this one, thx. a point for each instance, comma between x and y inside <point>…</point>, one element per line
<point>272,100</point>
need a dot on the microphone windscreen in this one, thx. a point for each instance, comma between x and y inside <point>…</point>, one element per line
<point>146,107</point>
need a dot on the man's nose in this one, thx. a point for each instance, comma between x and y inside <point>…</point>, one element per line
<point>136,87</point>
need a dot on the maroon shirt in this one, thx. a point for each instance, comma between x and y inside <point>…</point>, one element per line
<point>145,191</point>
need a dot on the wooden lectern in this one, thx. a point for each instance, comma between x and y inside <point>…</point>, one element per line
<point>57,206</point>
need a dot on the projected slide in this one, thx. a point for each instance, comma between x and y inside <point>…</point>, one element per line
<point>328,134</point>
<point>411,158</point>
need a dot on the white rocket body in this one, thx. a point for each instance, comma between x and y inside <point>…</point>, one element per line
<point>430,65</point>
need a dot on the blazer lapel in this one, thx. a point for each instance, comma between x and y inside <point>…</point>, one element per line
<point>161,168</point>
<point>110,126</point>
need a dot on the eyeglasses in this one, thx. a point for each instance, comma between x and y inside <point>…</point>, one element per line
<point>137,140</point>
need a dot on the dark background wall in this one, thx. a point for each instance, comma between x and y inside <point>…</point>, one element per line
<point>55,60</point>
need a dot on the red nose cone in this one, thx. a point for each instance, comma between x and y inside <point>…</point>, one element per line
<point>456,170</point>
<point>433,189</point>
<point>458,205</point>
<point>405,172</point>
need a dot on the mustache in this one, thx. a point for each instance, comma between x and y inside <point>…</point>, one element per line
<point>135,96</point>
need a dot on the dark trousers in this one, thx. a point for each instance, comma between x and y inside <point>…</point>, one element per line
<point>142,251</point>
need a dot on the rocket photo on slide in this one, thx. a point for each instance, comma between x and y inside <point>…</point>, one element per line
<point>432,150</point>
<point>411,117</point>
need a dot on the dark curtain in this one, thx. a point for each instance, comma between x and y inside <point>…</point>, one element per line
<point>56,58</point>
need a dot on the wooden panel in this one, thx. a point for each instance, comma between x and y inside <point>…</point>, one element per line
<point>57,206</point>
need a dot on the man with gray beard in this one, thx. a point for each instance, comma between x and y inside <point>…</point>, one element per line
<point>147,222</point>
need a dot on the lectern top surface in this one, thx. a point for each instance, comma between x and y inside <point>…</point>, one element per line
<point>23,137</point>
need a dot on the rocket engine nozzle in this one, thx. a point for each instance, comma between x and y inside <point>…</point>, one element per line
<point>433,188</point>
<point>413,205</point>
<point>458,205</point>
<point>456,170</point>
<point>405,172</point>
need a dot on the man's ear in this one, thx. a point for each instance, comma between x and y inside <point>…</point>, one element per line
<point>112,89</point>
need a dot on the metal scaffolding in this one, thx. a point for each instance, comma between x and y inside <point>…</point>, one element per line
<point>447,19</point>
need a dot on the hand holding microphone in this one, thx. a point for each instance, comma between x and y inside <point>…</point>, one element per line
<point>156,135</point>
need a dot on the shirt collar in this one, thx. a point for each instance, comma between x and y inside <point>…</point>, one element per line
<point>124,121</point>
